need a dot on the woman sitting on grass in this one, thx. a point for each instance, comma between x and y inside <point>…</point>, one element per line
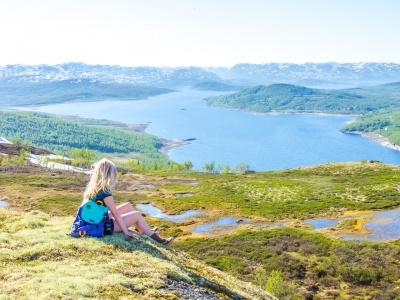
<point>103,178</point>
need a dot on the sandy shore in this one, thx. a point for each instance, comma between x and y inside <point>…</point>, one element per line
<point>168,145</point>
<point>384,141</point>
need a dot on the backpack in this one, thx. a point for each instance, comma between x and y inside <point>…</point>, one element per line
<point>89,220</point>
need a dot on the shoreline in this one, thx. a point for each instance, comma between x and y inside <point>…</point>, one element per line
<point>141,128</point>
<point>278,113</point>
<point>376,137</point>
<point>168,145</point>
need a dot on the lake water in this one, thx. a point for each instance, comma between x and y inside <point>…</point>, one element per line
<point>265,142</point>
<point>3,203</point>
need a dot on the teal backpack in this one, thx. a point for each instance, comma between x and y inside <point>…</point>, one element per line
<point>92,212</point>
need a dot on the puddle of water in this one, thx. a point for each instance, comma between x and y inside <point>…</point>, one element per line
<point>3,203</point>
<point>183,194</point>
<point>155,212</point>
<point>384,226</point>
<point>183,181</point>
<point>148,186</point>
<point>322,223</point>
<point>221,222</point>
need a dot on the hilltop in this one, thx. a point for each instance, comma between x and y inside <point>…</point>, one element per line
<point>37,252</point>
<point>62,134</point>
<point>292,98</point>
<point>20,93</point>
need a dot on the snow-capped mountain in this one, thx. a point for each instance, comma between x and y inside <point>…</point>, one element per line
<point>155,76</point>
<point>313,73</point>
<point>308,74</point>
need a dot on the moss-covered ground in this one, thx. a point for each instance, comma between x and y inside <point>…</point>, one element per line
<point>319,267</point>
<point>42,203</point>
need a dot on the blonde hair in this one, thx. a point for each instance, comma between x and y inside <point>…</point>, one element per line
<point>103,177</point>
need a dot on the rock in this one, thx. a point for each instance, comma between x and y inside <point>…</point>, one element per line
<point>190,291</point>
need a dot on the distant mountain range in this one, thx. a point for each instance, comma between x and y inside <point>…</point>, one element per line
<point>153,76</point>
<point>312,74</point>
<point>325,75</point>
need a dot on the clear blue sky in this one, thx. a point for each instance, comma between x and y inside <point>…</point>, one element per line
<point>198,32</point>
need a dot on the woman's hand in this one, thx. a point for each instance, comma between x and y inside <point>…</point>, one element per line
<point>131,234</point>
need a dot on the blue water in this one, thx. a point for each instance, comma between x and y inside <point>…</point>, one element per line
<point>384,226</point>
<point>322,223</point>
<point>265,142</point>
<point>222,222</point>
<point>155,212</point>
<point>3,203</point>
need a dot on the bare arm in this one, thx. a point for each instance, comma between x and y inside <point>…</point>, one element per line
<point>109,201</point>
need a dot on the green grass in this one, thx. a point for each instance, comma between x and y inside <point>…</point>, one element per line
<point>39,261</point>
<point>45,201</point>
<point>295,193</point>
<point>315,264</point>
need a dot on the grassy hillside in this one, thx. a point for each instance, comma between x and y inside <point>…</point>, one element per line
<point>37,253</point>
<point>292,98</point>
<point>20,93</point>
<point>385,123</point>
<point>310,264</point>
<point>60,134</point>
<point>295,193</point>
<point>43,202</point>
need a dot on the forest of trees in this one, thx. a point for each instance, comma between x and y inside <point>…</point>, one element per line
<point>386,123</point>
<point>61,135</point>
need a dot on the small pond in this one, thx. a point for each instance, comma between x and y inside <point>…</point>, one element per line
<point>221,222</point>
<point>384,226</point>
<point>155,212</point>
<point>3,203</point>
<point>322,223</point>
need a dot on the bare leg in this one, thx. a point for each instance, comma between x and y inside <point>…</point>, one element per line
<point>125,208</point>
<point>134,218</point>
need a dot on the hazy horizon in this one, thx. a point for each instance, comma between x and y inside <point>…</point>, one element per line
<point>198,33</point>
<point>202,66</point>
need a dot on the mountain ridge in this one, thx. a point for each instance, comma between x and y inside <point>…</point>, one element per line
<point>318,74</point>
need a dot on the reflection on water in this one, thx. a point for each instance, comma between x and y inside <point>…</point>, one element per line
<point>224,221</point>
<point>155,212</point>
<point>384,226</point>
<point>3,203</point>
<point>322,223</point>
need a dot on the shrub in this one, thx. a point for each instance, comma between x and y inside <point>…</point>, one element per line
<point>82,157</point>
<point>277,286</point>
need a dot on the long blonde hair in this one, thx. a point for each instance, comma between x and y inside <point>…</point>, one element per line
<point>102,177</point>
